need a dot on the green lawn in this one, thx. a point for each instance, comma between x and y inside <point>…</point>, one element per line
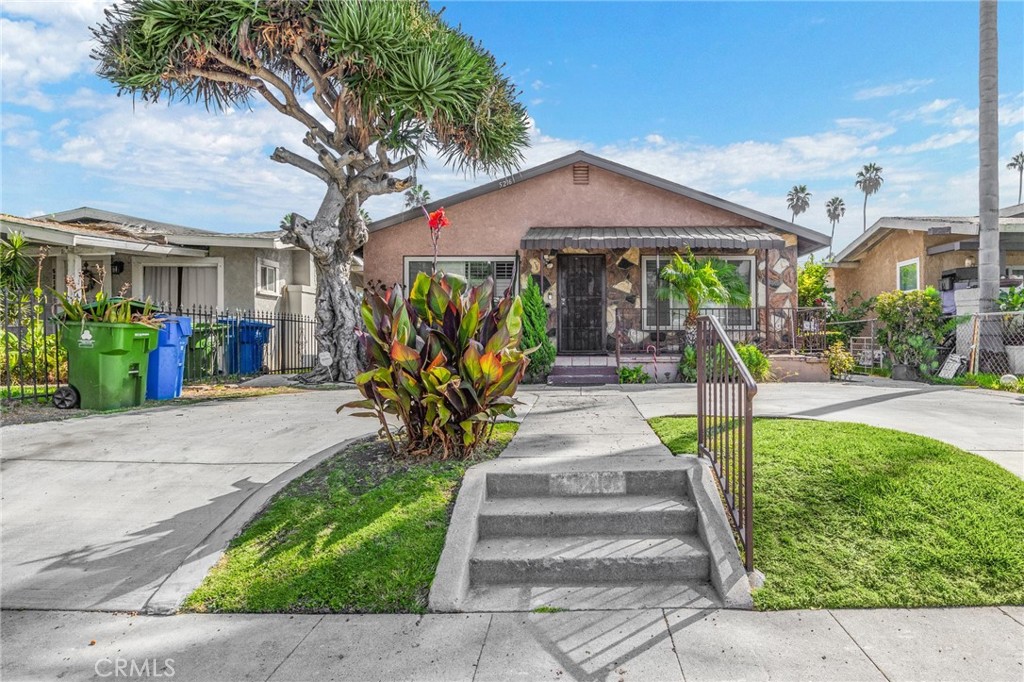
<point>848,515</point>
<point>361,533</point>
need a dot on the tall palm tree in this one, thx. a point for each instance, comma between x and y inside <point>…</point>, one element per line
<point>700,281</point>
<point>988,153</point>
<point>869,181</point>
<point>1017,164</point>
<point>834,209</point>
<point>798,200</point>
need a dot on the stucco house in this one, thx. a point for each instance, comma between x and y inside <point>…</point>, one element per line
<point>594,234</point>
<point>174,265</point>
<point>907,253</point>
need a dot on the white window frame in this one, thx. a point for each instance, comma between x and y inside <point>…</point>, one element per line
<point>268,263</point>
<point>449,259</point>
<point>647,300</point>
<point>916,262</point>
<point>208,262</point>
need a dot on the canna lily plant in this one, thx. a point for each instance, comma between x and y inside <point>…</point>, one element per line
<point>445,360</point>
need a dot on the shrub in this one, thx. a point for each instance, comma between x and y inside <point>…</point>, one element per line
<point>688,365</point>
<point>535,333</point>
<point>1011,300</point>
<point>913,326</point>
<point>633,375</point>
<point>445,361</point>
<point>31,356</point>
<point>812,286</point>
<point>756,361</point>
<point>840,360</point>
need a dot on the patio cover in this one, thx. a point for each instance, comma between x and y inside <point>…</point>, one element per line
<point>651,237</point>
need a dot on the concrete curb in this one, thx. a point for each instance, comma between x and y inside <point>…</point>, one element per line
<point>727,573</point>
<point>190,573</point>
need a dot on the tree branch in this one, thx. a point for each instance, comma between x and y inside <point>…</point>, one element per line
<point>366,185</point>
<point>282,155</point>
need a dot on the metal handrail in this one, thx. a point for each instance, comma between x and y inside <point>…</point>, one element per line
<point>725,427</point>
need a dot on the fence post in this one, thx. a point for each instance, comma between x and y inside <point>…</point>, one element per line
<point>701,383</point>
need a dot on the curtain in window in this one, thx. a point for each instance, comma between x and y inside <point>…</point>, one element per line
<point>160,284</point>
<point>198,286</point>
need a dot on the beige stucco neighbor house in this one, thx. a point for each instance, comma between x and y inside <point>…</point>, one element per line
<point>906,253</point>
<point>593,233</point>
<point>173,265</point>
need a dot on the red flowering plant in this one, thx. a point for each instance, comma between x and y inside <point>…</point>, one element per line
<point>436,221</point>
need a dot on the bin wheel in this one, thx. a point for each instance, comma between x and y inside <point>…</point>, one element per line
<point>65,398</point>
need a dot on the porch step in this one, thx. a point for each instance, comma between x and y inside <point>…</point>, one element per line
<point>582,375</point>
<point>589,559</point>
<point>604,515</point>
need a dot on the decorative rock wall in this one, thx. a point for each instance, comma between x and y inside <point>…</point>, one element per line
<point>624,285</point>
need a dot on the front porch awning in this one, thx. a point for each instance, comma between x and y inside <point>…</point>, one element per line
<point>651,237</point>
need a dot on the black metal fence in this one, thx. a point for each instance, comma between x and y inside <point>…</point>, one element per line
<point>725,425</point>
<point>664,330</point>
<point>223,344</point>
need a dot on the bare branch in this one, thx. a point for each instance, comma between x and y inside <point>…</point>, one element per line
<point>365,185</point>
<point>282,155</point>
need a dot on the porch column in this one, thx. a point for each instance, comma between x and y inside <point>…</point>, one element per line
<point>72,268</point>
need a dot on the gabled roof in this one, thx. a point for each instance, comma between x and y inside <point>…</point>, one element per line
<point>1015,211</point>
<point>173,234</point>
<point>808,239</point>
<point>936,225</point>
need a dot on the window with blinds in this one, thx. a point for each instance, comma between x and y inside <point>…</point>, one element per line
<point>474,270</point>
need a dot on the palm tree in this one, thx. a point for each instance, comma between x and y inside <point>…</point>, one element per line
<point>1017,164</point>
<point>700,281</point>
<point>988,153</point>
<point>798,200</point>
<point>869,181</point>
<point>834,209</point>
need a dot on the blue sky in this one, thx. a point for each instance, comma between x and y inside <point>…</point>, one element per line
<point>742,100</point>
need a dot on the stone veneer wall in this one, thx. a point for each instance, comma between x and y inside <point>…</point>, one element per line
<point>624,283</point>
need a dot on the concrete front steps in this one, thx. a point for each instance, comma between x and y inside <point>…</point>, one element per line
<point>597,538</point>
<point>583,370</point>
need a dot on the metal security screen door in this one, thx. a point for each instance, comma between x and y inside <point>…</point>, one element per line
<point>581,304</point>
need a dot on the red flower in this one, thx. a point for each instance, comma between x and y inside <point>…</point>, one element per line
<point>438,219</point>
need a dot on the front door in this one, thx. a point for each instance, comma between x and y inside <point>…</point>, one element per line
<point>581,304</point>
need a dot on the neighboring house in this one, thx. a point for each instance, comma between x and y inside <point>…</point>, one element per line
<point>170,264</point>
<point>593,233</point>
<point>907,253</point>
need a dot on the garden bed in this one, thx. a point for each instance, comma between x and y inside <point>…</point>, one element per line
<point>361,533</point>
<point>848,515</point>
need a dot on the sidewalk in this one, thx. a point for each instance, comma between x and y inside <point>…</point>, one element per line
<point>985,644</point>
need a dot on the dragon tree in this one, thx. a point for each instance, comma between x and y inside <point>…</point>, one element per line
<point>375,84</point>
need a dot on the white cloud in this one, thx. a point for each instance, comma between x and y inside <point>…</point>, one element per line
<point>892,89</point>
<point>43,43</point>
<point>654,139</point>
<point>937,141</point>
<point>538,84</point>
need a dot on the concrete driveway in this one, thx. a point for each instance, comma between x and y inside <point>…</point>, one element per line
<point>127,512</point>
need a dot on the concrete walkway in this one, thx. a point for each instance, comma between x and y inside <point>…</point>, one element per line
<point>987,423</point>
<point>128,511</point>
<point>984,644</point>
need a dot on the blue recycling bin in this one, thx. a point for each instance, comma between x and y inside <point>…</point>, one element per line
<point>167,361</point>
<point>243,348</point>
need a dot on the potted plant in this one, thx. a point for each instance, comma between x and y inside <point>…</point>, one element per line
<point>1012,302</point>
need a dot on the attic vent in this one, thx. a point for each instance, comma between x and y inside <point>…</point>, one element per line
<point>581,174</point>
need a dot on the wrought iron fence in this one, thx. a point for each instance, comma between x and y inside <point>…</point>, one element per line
<point>725,427</point>
<point>664,330</point>
<point>223,343</point>
<point>34,364</point>
<point>860,338</point>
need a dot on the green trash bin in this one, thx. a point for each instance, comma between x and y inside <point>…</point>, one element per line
<point>107,363</point>
<point>203,349</point>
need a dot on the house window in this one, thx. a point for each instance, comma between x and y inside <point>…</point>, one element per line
<point>180,286</point>
<point>671,313</point>
<point>908,276</point>
<point>474,269</point>
<point>267,277</point>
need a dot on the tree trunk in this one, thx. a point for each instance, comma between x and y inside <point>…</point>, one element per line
<point>865,212</point>
<point>988,152</point>
<point>332,237</point>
